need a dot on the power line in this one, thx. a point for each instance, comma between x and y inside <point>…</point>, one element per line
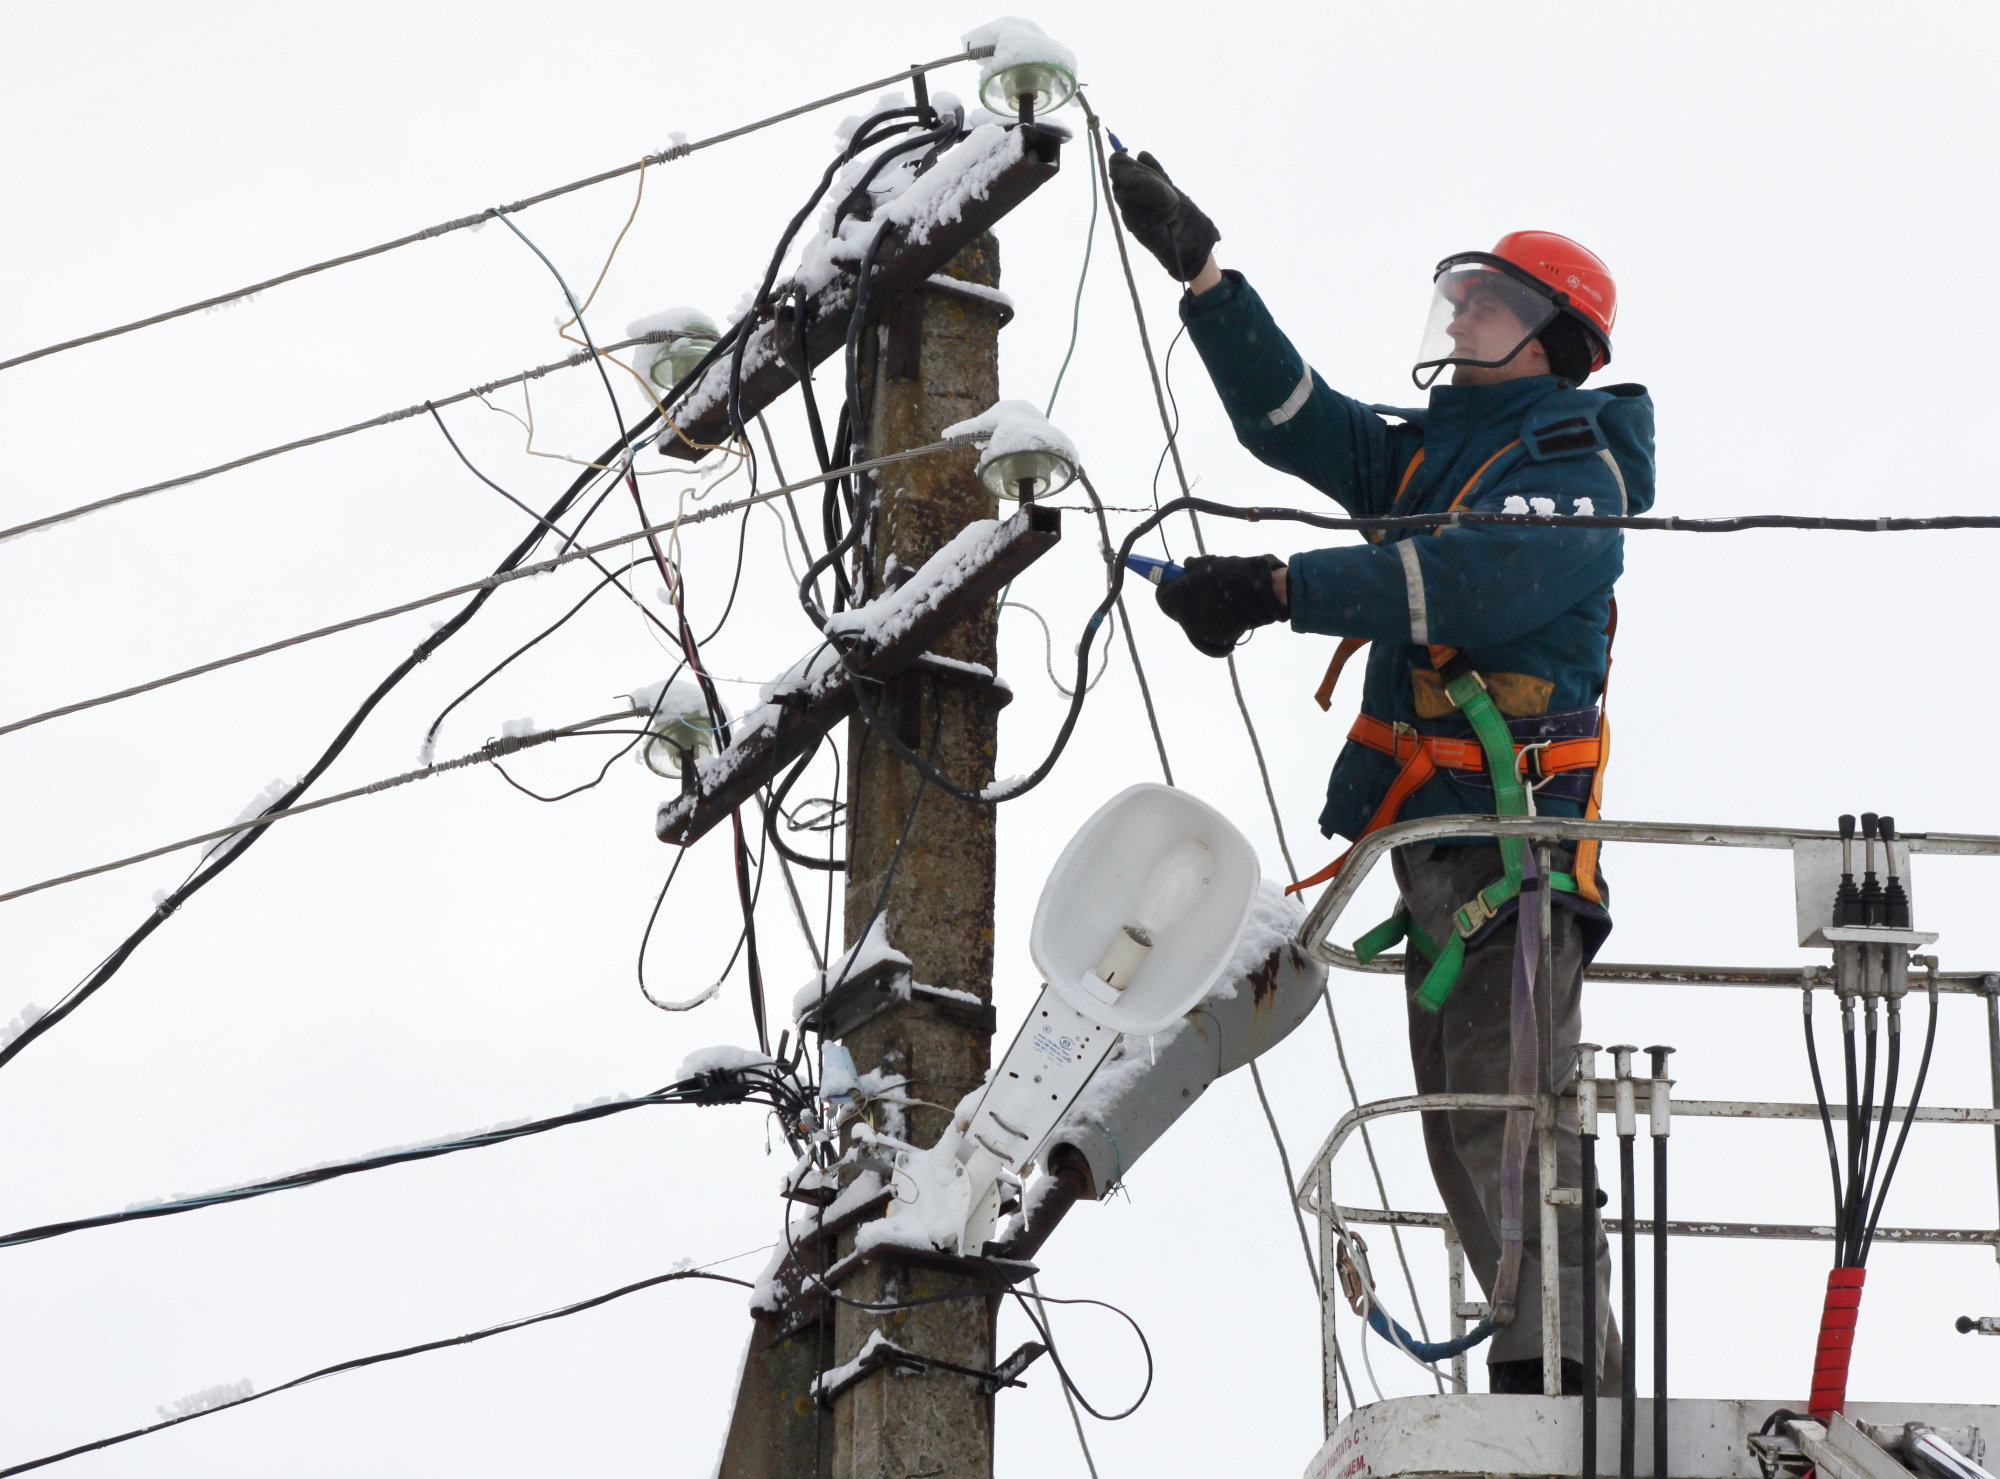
<point>486,583</point>
<point>1270,796</point>
<point>721,1087</point>
<point>387,418</point>
<point>486,754</point>
<point>677,151</point>
<point>413,1350</point>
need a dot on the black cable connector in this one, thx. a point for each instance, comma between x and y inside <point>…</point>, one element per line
<point>1846,898</point>
<point>1895,900</point>
<point>1871,886</point>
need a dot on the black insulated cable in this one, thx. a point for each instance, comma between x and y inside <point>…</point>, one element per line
<point>1660,1128</point>
<point>1909,1114</point>
<point>1586,1126</point>
<point>413,1350</point>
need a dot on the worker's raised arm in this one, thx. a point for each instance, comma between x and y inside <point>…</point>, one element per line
<point>1283,412</point>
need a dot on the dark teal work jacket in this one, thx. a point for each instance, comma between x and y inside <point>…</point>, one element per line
<point>1528,606</point>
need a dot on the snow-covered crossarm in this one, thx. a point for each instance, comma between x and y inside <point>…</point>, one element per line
<point>887,636</point>
<point>972,186</point>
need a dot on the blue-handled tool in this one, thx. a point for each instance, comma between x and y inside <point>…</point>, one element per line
<point>1116,147</point>
<point>1159,572</point>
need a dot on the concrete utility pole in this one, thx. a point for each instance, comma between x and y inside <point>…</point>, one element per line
<point>937,361</point>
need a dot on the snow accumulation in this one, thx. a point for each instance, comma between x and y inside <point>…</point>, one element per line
<point>892,613</point>
<point>1515,504</point>
<point>707,1060</point>
<point>670,321</point>
<point>873,949</point>
<point>1015,426</point>
<point>209,1398</point>
<point>516,728</point>
<point>802,676</point>
<point>273,792</point>
<point>28,1017</point>
<point>1015,41</point>
<point>766,1293</point>
<point>876,1341</point>
<point>1274,920</point>
<point>911,205</point>
<point>1584,507</point>
<point>667,701</point>
<point>1542,505</point>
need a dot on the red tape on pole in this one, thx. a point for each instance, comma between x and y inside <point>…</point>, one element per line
<point>1836,1341</point>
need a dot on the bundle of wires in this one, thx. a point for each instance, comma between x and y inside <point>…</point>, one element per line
<point>1860,1179</point>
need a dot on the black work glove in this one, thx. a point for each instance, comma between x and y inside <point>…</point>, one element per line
<point>1162,219</point>
<point>1222,597</point>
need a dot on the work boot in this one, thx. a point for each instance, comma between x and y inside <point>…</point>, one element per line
<point>1524,1378</point>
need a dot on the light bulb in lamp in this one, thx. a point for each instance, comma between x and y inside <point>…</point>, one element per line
<point>1171,888</point>
<point>1026,474</point>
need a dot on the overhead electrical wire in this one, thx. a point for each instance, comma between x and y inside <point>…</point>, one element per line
<point>734,1086</point>
<point>1170,423</point>
<point>387,418</point>
<point>359,1361</point>
<point>677,151</point>
<point>486,584</point>
<point>487,753</point>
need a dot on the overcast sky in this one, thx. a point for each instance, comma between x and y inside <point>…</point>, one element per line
<point>1795,200</point>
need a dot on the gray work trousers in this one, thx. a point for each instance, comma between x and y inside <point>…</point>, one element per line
<point>1465,1048</point>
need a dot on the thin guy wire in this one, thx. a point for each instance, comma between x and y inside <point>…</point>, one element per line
<point>485,754</point>
<point>1076,1418</point>
<point>677,151</point>
<point>1125,622</point>
<point>387,418</point>
<point>1180,473</point>
<point>490,582</point>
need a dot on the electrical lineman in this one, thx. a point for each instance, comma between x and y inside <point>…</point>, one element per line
<point>1491,649</point>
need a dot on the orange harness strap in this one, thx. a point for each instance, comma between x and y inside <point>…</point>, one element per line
<point>1447,753</point>
<point>1347,648</point>
<point>1422,756</point>
<point>1585,866</point>
<point>1323,696</point>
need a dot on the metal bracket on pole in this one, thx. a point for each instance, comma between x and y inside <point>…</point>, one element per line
<point>724,782</point>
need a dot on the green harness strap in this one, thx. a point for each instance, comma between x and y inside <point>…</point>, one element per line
<point>1467,691</point>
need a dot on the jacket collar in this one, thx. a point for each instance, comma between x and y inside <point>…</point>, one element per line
<point>1461,410</point>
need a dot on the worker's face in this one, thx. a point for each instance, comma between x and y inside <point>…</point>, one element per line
<point>1486,328</point>
<point>1482,325</point>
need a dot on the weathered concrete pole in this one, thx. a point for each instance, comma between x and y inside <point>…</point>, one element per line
<point>935,361</point>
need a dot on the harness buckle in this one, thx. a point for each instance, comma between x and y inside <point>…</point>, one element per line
<point>1529,758</point>
<point>1469,916</point>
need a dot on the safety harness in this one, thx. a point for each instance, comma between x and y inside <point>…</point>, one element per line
<point>1494,751</point>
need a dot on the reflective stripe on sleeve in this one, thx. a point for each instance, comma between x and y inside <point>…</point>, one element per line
<point>1295,402</point>
<point>1624,503</point>
<point>1413,579</point>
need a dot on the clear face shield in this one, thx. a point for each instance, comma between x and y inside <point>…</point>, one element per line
<point>1485,310</point>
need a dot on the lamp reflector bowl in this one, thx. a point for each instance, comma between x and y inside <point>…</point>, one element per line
<point>1143,910</point>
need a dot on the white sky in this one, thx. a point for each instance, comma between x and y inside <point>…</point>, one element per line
<point>1793,199</point>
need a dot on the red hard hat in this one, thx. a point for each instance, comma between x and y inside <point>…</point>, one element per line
<point>1582,284</point>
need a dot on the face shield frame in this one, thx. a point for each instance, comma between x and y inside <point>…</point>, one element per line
<point>1524,296</point>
